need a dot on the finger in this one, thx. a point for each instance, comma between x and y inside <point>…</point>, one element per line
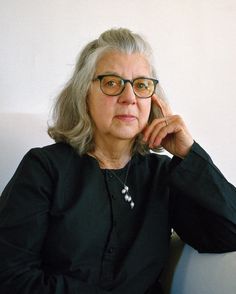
<point>162,134</point>
<point>174,125</point>
<point>157,134</point>
<point>163,105</point>
<point>152,130</point>
<point>162,128</point>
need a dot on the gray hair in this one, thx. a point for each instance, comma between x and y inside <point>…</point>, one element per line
<point>71,120</point>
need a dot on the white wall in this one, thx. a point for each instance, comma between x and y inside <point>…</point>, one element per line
<point>194,43</point>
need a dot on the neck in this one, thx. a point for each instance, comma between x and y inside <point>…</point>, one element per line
<point>112,156</point>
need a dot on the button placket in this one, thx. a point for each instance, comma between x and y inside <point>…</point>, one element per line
<point>109,259</point>
<point>111,181</point>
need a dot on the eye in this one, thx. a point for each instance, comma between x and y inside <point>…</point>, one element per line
<point>111,83</point>
<point>141,85</point>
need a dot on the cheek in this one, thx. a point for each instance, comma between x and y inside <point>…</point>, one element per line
<point>100,110</point>
<point>93,109</point>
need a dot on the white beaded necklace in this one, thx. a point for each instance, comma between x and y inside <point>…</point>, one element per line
<point>125,189</point>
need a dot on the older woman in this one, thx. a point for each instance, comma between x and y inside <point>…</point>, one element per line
<point>93,212</point>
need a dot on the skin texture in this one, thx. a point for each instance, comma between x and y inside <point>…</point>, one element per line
<point>118,119</point>
<point>170,131</point>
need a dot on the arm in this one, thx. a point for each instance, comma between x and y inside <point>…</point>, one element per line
<point>203,203</point>
<point>24,210</point>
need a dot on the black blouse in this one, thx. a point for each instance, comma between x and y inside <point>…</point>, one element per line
<point>65,227</point>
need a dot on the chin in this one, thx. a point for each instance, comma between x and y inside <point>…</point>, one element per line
<point>127,135</point>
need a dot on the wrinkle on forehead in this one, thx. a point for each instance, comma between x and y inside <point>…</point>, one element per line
<point>128,66</point>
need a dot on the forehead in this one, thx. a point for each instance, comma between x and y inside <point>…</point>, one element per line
<point>126,65</point>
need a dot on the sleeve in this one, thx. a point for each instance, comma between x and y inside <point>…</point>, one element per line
<point>24,207</point>
<point>203,203</point>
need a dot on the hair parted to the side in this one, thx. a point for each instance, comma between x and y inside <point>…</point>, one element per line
<point>71,120</point>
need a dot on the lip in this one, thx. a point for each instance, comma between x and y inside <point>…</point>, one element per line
<point>126,117</point>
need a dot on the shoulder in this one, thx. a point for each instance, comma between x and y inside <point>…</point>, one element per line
<point>153,161</point>
<point>51,157</point>
<point>41,167</point>
<point>56,151</point>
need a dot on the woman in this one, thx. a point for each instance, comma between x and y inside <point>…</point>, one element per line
<point>93,212</point>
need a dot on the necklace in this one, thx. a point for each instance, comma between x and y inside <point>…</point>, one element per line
<point>125,189</point>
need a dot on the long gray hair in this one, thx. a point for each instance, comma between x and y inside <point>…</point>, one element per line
<point>71,120</point>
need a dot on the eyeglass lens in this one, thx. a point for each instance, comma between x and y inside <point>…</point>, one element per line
<point>113,85</point>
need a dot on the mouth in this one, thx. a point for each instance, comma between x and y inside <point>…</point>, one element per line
<point>126,117</point>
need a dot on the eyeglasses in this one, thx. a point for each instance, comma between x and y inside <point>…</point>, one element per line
<point>113,85</point>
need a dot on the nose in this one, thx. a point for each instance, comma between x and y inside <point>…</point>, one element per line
<point>127,96</point>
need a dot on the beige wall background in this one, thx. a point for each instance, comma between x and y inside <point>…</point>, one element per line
<point>194,44</point>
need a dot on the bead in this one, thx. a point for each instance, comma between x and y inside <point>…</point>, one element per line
<point>126,197</point>
<point>125,188</point>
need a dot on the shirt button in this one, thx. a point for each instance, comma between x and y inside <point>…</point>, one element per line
<point>111,249</point>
